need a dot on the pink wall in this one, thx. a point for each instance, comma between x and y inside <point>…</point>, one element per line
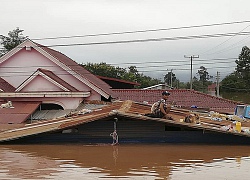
<point>66,103</point>
<point>94,96</point>
<point>40,84</point>
<point>23,64</point>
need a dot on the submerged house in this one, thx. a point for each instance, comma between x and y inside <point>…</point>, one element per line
<point>34,78</point>
<point>32,75</point>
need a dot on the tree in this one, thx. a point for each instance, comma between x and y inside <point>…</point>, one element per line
<point>197,84</point>
<point>170,77</point>
<point>233,82</point>
<point>182,85</point>
<point>131,74</point>
<point>204,77</point>
<point>240,79</point>
<point>243,64</point>
<point>13,39</point>
<point>103,69</point>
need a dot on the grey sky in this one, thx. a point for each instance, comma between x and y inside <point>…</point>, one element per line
<point>54,18</point>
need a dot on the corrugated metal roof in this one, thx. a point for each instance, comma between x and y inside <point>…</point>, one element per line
<point>53,114</point>
<point>57,124</point>
<point>19,113</point>
<point>49,114</point>
<point>13,118</point>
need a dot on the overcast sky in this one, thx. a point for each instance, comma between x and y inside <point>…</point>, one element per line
<point>57,18</point>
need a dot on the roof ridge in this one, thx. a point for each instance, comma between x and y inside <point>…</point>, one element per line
<point>80,70</point>
<point>71,88</point>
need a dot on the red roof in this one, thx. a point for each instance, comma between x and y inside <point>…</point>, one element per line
<point>5,86</point>
<point>79,69</point>
<point>18,114</point>
<point>184,98</point>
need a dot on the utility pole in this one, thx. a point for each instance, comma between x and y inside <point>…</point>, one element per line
<point>217,84</point>
<point>191,64</point>
<point>171,79</point>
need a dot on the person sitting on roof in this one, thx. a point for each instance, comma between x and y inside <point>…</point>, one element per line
<point>160,109</point>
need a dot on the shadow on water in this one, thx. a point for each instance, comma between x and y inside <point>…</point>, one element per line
<point>106,161</point>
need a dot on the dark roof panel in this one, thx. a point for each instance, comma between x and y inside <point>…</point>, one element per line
<point>118,80</point>
<point>19,113</point>
<point>5,86</point>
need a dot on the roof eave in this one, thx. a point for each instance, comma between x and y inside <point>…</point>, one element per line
<point>43,94</point>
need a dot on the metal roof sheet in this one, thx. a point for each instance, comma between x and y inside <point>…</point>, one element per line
<point>5,86</point>
<point>13,118</point>
<point>19,113</point>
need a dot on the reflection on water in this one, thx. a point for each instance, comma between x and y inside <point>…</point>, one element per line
<point>124,162</point>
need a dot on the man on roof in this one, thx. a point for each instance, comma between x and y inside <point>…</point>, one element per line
<point>160,109</point>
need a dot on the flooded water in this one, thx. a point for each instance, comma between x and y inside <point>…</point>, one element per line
<point>175,162</point>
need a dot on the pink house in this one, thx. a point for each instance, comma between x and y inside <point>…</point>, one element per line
<point>35,73</point>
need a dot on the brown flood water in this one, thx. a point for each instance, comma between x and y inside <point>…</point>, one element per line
<point>175,162</point>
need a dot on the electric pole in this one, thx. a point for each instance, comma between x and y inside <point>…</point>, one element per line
<point>171,79</point>
<point>191,64</point>
<point>217,84</point>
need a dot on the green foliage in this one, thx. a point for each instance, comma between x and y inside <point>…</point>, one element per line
<point>243,64</point>
<point>130,74</point>
<point>167,78</point>
<point>203,82</point>
<point>240,79</point>
<point>203,74</point>
<point>197,84</point>
<point>103,69</point>
<point>233,83</point>
<point>182,85</point>
<point>13,39</point>
<point>146,81</point>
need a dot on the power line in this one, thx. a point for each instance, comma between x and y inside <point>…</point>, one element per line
<point>225,41</point>
<point>226,49</point>
<point>173,61</point>
<point>150,40</point>
<point>146,66</point>
<point>207,61</point>
<point>63,72</point>
<point>143,31</point>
